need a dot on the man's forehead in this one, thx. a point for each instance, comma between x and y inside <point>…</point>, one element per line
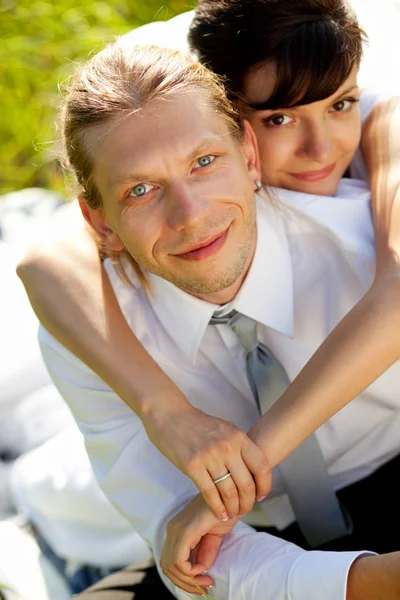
<point>189,115</point>
<point>170,130</point>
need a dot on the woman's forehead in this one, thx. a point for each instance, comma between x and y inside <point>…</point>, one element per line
<point>261,81</point>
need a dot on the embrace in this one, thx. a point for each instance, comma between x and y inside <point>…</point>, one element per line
<point>236,383</point>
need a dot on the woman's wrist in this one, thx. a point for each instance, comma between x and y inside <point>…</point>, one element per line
<point>155,407</point>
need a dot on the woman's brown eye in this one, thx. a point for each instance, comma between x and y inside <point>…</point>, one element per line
<point>278,120</point>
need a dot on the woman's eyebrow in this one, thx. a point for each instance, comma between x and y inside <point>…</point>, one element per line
<point>263,106</point>
<point>348,90</point>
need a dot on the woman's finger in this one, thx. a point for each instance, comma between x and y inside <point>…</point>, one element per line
<point>226,486</point>
<point>244,484</point>
<point>211,494</point>
<point>257,463</point>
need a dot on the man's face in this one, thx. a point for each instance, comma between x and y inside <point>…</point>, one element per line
<point>178,194</point>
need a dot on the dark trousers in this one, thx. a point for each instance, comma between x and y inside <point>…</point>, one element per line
<point>141,582</point>
<point>374,506</point>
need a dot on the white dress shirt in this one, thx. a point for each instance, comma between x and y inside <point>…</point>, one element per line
<point>314,260</point>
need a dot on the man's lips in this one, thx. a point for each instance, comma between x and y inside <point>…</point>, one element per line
<point>205,249</point>
<point>314,175</point>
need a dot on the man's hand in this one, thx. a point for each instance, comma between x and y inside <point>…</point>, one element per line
<point>193,539</point>
<point>205,448</point>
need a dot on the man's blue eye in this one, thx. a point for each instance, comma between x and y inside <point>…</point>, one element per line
<point>140,189</point>
<point>203,161</point>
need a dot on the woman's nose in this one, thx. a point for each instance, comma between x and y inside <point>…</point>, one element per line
<point>317,144</point>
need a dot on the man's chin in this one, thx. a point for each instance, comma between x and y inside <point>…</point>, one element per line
<point>219,281</point>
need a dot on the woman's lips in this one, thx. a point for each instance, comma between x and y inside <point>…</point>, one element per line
<point>207,250</point>
<point>314,175</point>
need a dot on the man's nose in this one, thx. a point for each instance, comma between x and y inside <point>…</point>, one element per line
<point>317,143</point>
<point>186,205</point>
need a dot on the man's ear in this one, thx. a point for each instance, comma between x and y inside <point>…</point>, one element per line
<point>250,148</point>
<point>97,221</point>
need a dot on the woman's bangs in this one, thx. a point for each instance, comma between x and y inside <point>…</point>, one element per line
<point>311,66</point>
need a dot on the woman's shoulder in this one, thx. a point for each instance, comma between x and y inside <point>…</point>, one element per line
<point>369,98</point>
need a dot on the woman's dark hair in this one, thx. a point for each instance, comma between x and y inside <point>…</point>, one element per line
<point>313,43</point>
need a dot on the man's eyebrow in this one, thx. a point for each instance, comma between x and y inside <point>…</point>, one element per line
<point>203,146</point>
<point>128,178</point>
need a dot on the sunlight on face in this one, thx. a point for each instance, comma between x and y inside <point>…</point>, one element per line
<point>177,189</point>
<point>307,148</point>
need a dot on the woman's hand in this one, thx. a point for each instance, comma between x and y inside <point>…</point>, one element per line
<point>205,448</point>
<point>193,540</point>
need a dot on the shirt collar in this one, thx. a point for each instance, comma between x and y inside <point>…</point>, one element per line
<point>266,295</point>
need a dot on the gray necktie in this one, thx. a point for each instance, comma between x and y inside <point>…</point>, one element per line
<point>305,477</point>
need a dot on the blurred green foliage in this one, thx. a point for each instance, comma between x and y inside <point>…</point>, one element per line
<point>39,44</point>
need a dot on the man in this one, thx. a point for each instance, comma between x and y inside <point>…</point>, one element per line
<point>168,179</point>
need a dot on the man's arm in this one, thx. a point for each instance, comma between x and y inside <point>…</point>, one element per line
<point>375,578</point>
<point>369,577</point>
<point>149,491</point>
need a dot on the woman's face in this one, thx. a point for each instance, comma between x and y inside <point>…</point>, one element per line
<point>307,148</point>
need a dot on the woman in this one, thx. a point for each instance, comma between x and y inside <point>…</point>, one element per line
<point>85,317</point>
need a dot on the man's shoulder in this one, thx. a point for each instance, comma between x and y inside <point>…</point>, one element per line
<point>127,287</point>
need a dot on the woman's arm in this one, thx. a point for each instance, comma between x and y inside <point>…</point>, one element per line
<point>381,150</point>
<point>72,297</point>
<point>367,341</point>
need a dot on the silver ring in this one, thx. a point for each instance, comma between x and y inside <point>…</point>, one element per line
<point>222,478</point>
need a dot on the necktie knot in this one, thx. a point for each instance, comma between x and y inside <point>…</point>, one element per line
<point>223,319</point>
<point>244,327</point>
